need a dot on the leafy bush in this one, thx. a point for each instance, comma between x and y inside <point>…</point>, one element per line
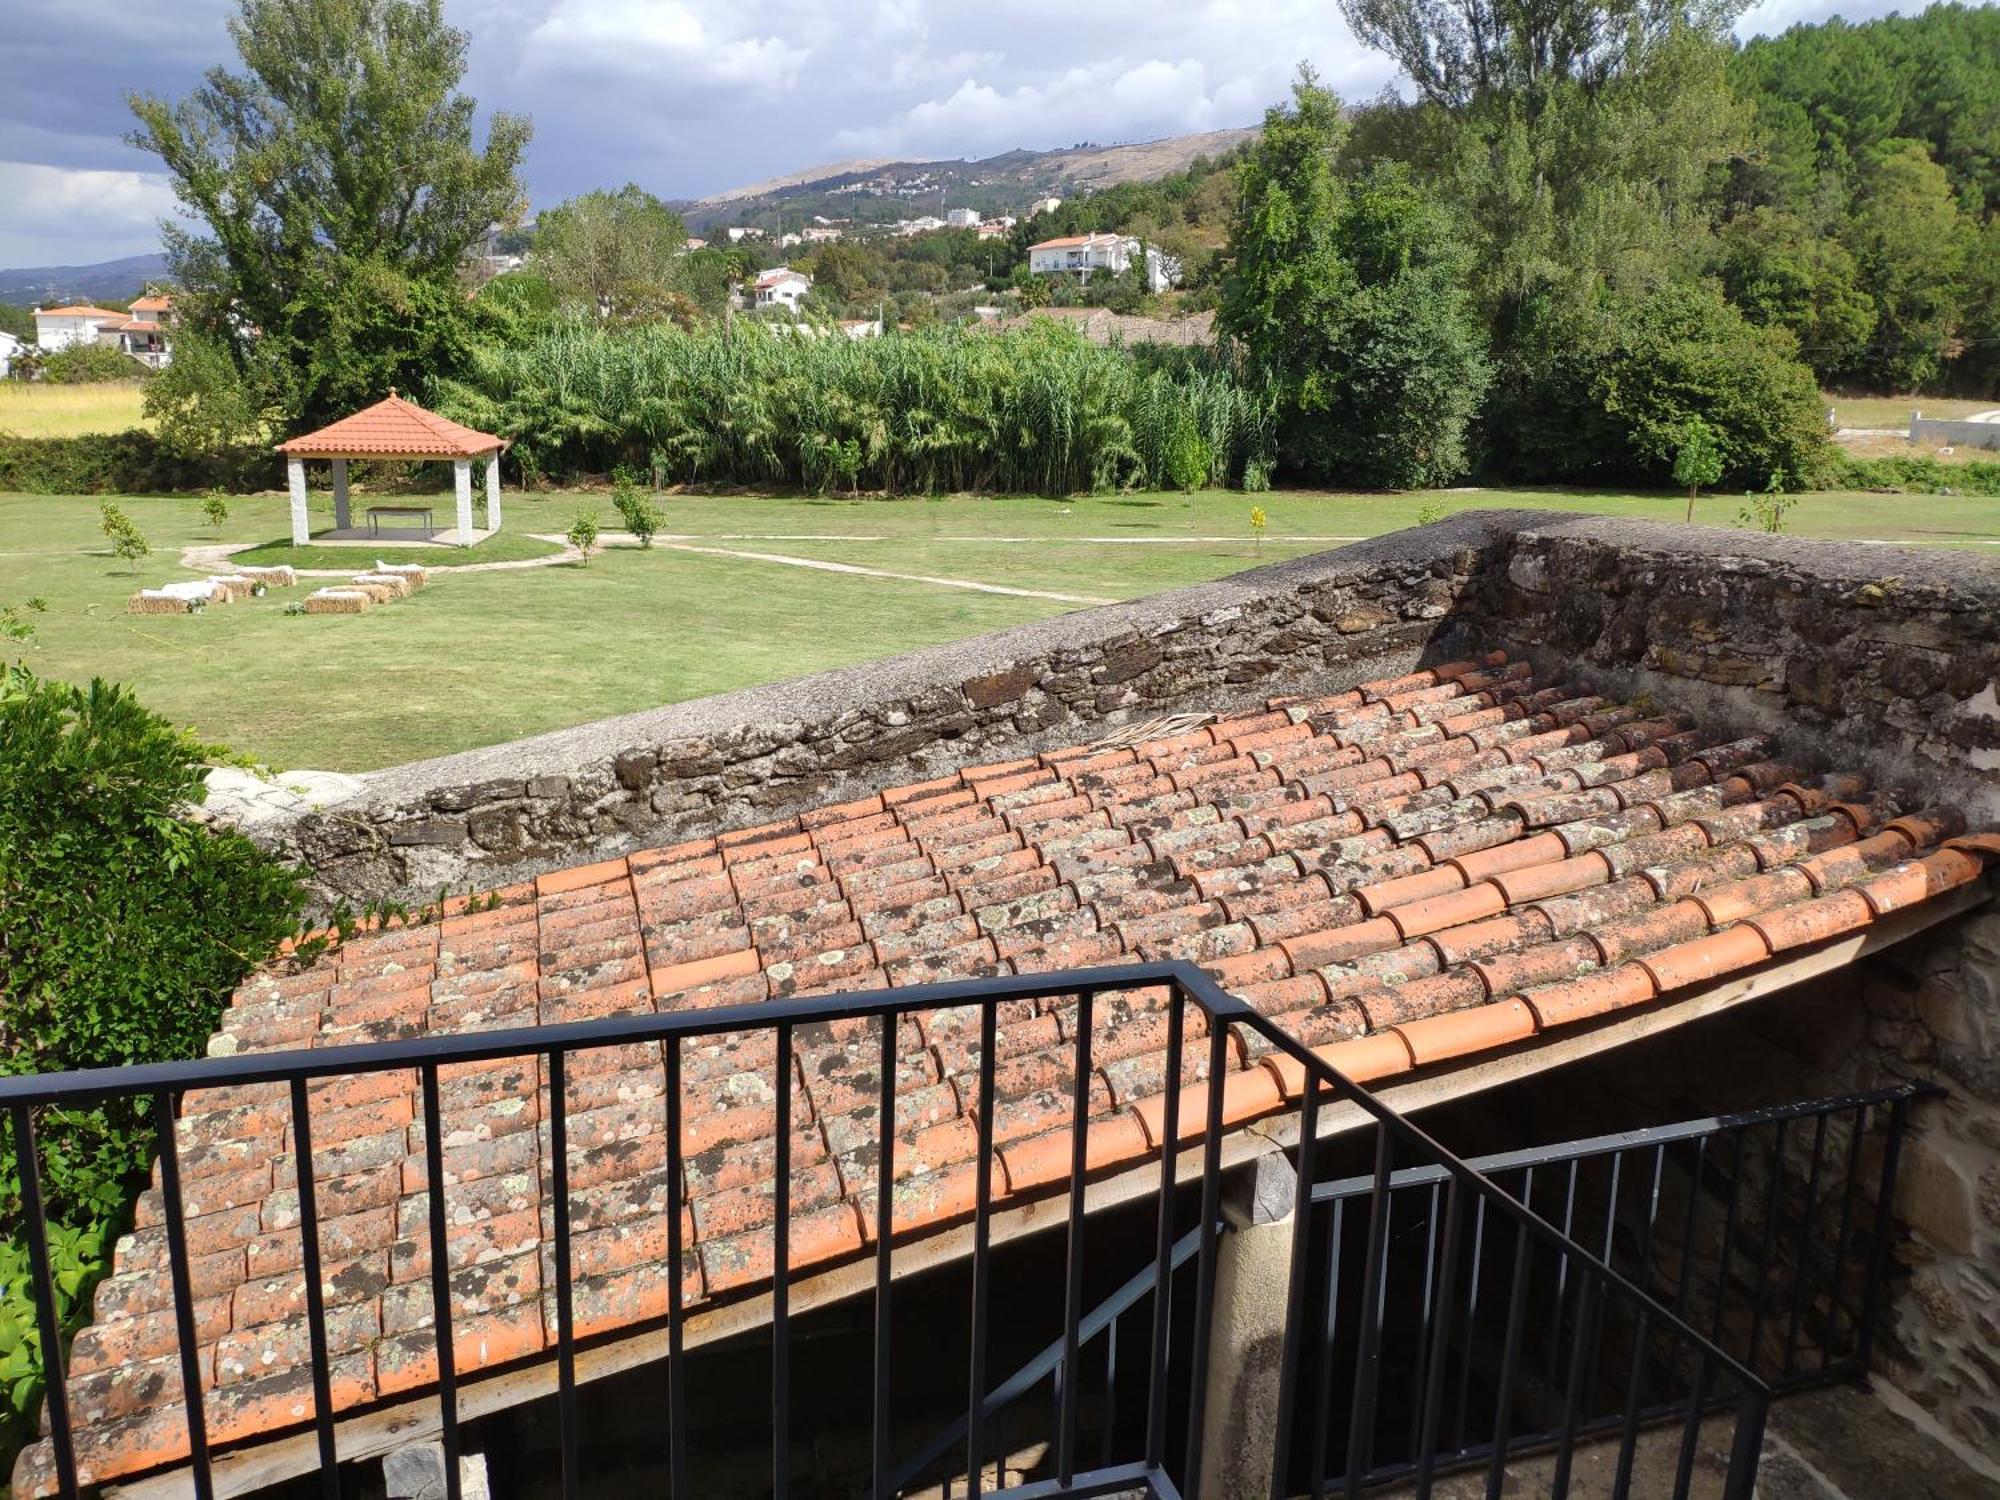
<point>641,516</point>
<point>123,930</point>
<point>130,463</point>
<point>1602,390</point>
<point>127,544</point>
<point>87,364</point>
<point>1922,476</point>
<point>582,533</point>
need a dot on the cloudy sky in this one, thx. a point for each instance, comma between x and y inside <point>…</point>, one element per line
<point>687,97</point>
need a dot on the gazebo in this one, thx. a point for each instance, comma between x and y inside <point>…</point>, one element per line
<point>394,429</point>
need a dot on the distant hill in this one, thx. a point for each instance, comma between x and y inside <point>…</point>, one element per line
<point>874,190</point>
<point>50,286</point>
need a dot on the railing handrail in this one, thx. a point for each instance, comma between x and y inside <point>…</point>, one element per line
<point>1588,1147</point>
<point>447,1048</point>
<point>1211,997</point>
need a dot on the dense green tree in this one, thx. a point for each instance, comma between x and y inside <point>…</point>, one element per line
<point>611,254</point>
<point>1912,244</point>
<point>1459,52</point>
<point>1603,389</point>
<point>1349,301</point>
<point>19,321</point>
<point>336,187</point>
<point>1783,274</point>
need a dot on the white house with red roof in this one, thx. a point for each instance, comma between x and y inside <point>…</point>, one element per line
<point>780,286</point>
<point>1081,254</point>
<point>142,332</point>
<point>71,324</point>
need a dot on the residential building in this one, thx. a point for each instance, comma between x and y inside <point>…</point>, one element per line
<point>780,286</point>
<point>924,224</point>
<point>9,347</point>
<point>740,232</point>
<point>144,335</point>
<point>993,229</point>
<point>1081,254</point>
<point>789,239</point>
<point>1044,206</point>
<point>75,323</point>
<point>961,218</point>
<point>820,234</point>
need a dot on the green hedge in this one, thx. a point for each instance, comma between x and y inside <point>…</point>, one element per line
<point>129,463</point>
<point>123,929</point>
<point>1923,476</point>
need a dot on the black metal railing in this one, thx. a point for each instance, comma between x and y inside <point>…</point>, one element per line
<point>1766,1229</point>
<point>1328,1428</point>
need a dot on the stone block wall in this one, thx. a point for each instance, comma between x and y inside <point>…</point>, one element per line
<point>488,817</point>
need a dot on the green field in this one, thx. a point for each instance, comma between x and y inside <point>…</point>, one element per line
<point>38,409</point>
<point>487,656</point>
<point>1894,411</point>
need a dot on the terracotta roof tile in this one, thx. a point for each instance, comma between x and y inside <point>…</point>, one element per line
<point>1401,875</point>
<point>393,428</point>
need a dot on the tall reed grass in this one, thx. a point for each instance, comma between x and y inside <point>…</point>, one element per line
<point>1037,409</point>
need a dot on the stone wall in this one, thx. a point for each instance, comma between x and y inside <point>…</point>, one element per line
<point>1884,659</point>
<point>488,817</point>
<point>1937,431</point>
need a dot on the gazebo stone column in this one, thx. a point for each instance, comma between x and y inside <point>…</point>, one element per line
<point>462,472</point>
<point>342,518</point>
<point>493,493</point>
<point>295,477</point>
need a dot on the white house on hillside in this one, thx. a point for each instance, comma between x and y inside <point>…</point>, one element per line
<point>961,218</point>
<point>738,233</point>
<point>1044,206</point>
<point>76,323</point>
<point>1081,254</point>
<point>780,286</point>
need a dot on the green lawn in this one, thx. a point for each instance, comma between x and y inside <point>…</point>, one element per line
<point>1894,411</point>
<point>481,657</point>
<point>509,546</point>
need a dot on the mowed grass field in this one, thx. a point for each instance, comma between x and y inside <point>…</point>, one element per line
<point>723,601</point>
<point>37,409</point>
<point>1894,411</point>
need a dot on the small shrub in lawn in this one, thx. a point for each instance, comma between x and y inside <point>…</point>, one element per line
<point>126,541</point>
<point>640,515</point>
<point>214,509</point>
<point>582,533</point>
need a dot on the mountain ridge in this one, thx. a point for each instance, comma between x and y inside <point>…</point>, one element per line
<point>876,189</point>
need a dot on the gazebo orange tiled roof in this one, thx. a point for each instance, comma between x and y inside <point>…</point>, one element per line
<point>394,428</point>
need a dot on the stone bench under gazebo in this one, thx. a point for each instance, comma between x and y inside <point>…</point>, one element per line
<point>399,430</point>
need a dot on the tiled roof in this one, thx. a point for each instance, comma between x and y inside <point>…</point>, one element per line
<point>78,310</point>
<point>393,428</point>
<point>152,304</point>
<point>1402,875</point>
<point>1074,241</point>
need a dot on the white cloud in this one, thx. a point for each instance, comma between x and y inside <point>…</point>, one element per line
<point>57,215</point>
<point>677,43</point>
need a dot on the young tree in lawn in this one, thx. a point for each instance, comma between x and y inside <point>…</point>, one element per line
<point>1698,459</point>
<point>335,186</point>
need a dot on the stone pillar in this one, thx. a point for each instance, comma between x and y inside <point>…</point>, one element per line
<point>342,517</point>
<point>295,477</point>
<point>462,472</point>
<point>1253,1276</point>
<point>493,493</point>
